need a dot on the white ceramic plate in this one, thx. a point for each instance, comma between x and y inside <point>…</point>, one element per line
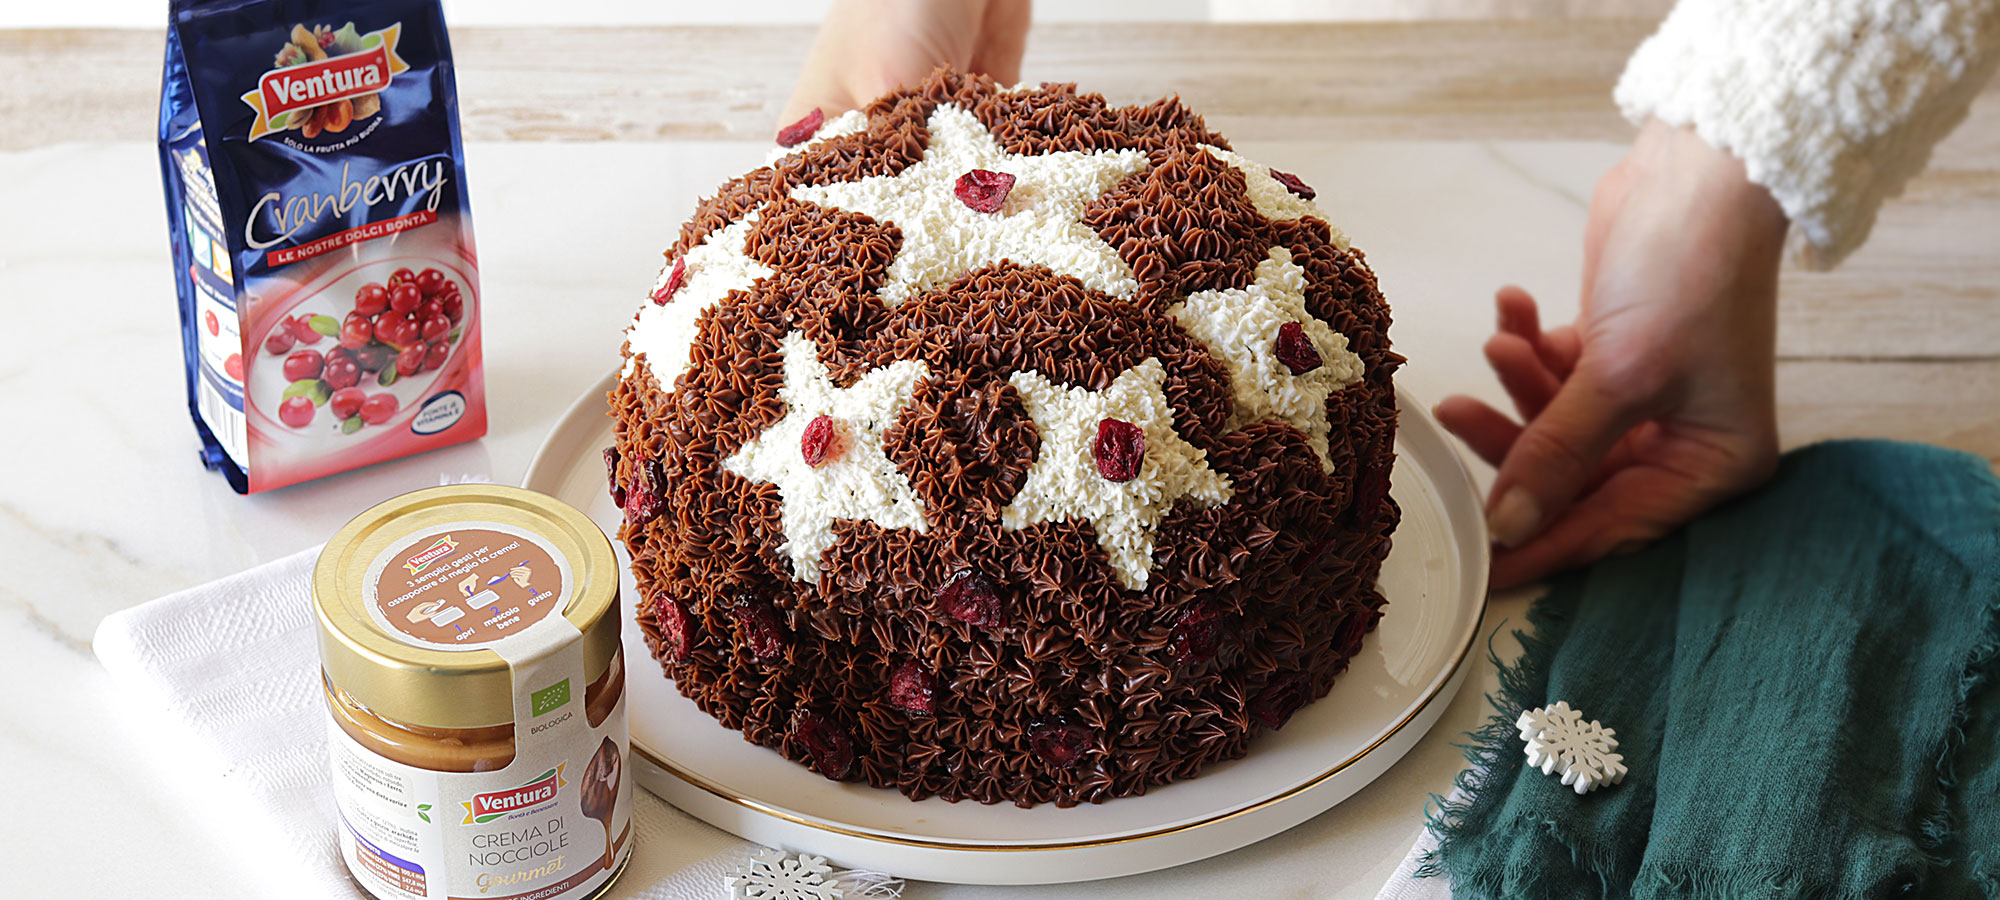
<point>1405,675</point>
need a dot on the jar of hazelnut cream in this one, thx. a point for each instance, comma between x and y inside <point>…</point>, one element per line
<point>475,695</point>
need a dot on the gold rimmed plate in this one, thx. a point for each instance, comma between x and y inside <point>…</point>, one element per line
<point>1405,675</point>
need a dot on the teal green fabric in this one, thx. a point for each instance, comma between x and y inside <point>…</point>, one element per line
<point>1803,686</point>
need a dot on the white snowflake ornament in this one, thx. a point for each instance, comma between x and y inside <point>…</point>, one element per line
<point>1559,738</point>
<point>772,874</point>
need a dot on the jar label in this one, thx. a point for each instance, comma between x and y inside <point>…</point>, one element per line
<point>551,823</point>
<point>554,824</point>
<point>465,585</point>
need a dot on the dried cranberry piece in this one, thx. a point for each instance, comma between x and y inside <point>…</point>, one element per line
<point>1347,641</point>
<point>1369,492</point>
<point>971,598</point>
<point>832,751</point>
<point>913,689</point>
<point>1296,350</point>
<point>610,473</point>
<point>982,190</point>
<point>646,495</point>
<point>818,440</point>
<point>757,623</point>
<point>675,279</point>
<point>1275,704</point>
<point>1058,742</point>
<point>1121,447</point>
<point>1293,184</point>
<point>796,133</point>
<point>676,628</point>
<point>1197,636</point>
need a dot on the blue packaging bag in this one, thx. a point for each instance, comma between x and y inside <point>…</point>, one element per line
<point>322,239</point>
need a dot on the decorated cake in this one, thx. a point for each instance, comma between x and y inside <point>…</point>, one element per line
<point>999,443</point>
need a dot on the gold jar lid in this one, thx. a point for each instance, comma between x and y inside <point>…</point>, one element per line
<point>414,596</point>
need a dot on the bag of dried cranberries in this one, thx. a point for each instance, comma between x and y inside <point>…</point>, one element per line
<point>322,242</point>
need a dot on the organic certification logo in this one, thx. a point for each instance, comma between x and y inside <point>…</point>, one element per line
<point>549,699</point>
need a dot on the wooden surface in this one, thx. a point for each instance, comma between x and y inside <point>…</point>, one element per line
<point>1903,341</point>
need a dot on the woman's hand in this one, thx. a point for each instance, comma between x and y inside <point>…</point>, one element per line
<point>866,48</point>
<point>1657,403</point>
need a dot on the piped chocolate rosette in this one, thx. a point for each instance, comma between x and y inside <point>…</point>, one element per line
<point>998,443</point>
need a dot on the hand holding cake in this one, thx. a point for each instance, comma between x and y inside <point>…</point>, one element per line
<point>867,48</point>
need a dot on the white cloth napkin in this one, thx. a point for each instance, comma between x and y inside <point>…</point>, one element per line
<point>1405,885</point>
<point>227,677</point>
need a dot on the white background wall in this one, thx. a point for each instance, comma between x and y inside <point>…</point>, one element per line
<point>152,13</point>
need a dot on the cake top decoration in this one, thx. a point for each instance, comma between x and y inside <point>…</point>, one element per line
<point>1039,222</point>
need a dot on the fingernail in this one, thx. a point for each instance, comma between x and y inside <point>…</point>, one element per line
<point>1515,518</point>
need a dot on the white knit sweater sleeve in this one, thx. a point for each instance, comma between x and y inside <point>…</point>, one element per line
<point>1831,104</point>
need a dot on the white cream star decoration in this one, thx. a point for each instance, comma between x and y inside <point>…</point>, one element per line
<point>1039,224</point>
<point>1558,737</point>
<point>1064,482</point>
<point>1240,328</point>
<point>666,332</point>
<point>856,481</point>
